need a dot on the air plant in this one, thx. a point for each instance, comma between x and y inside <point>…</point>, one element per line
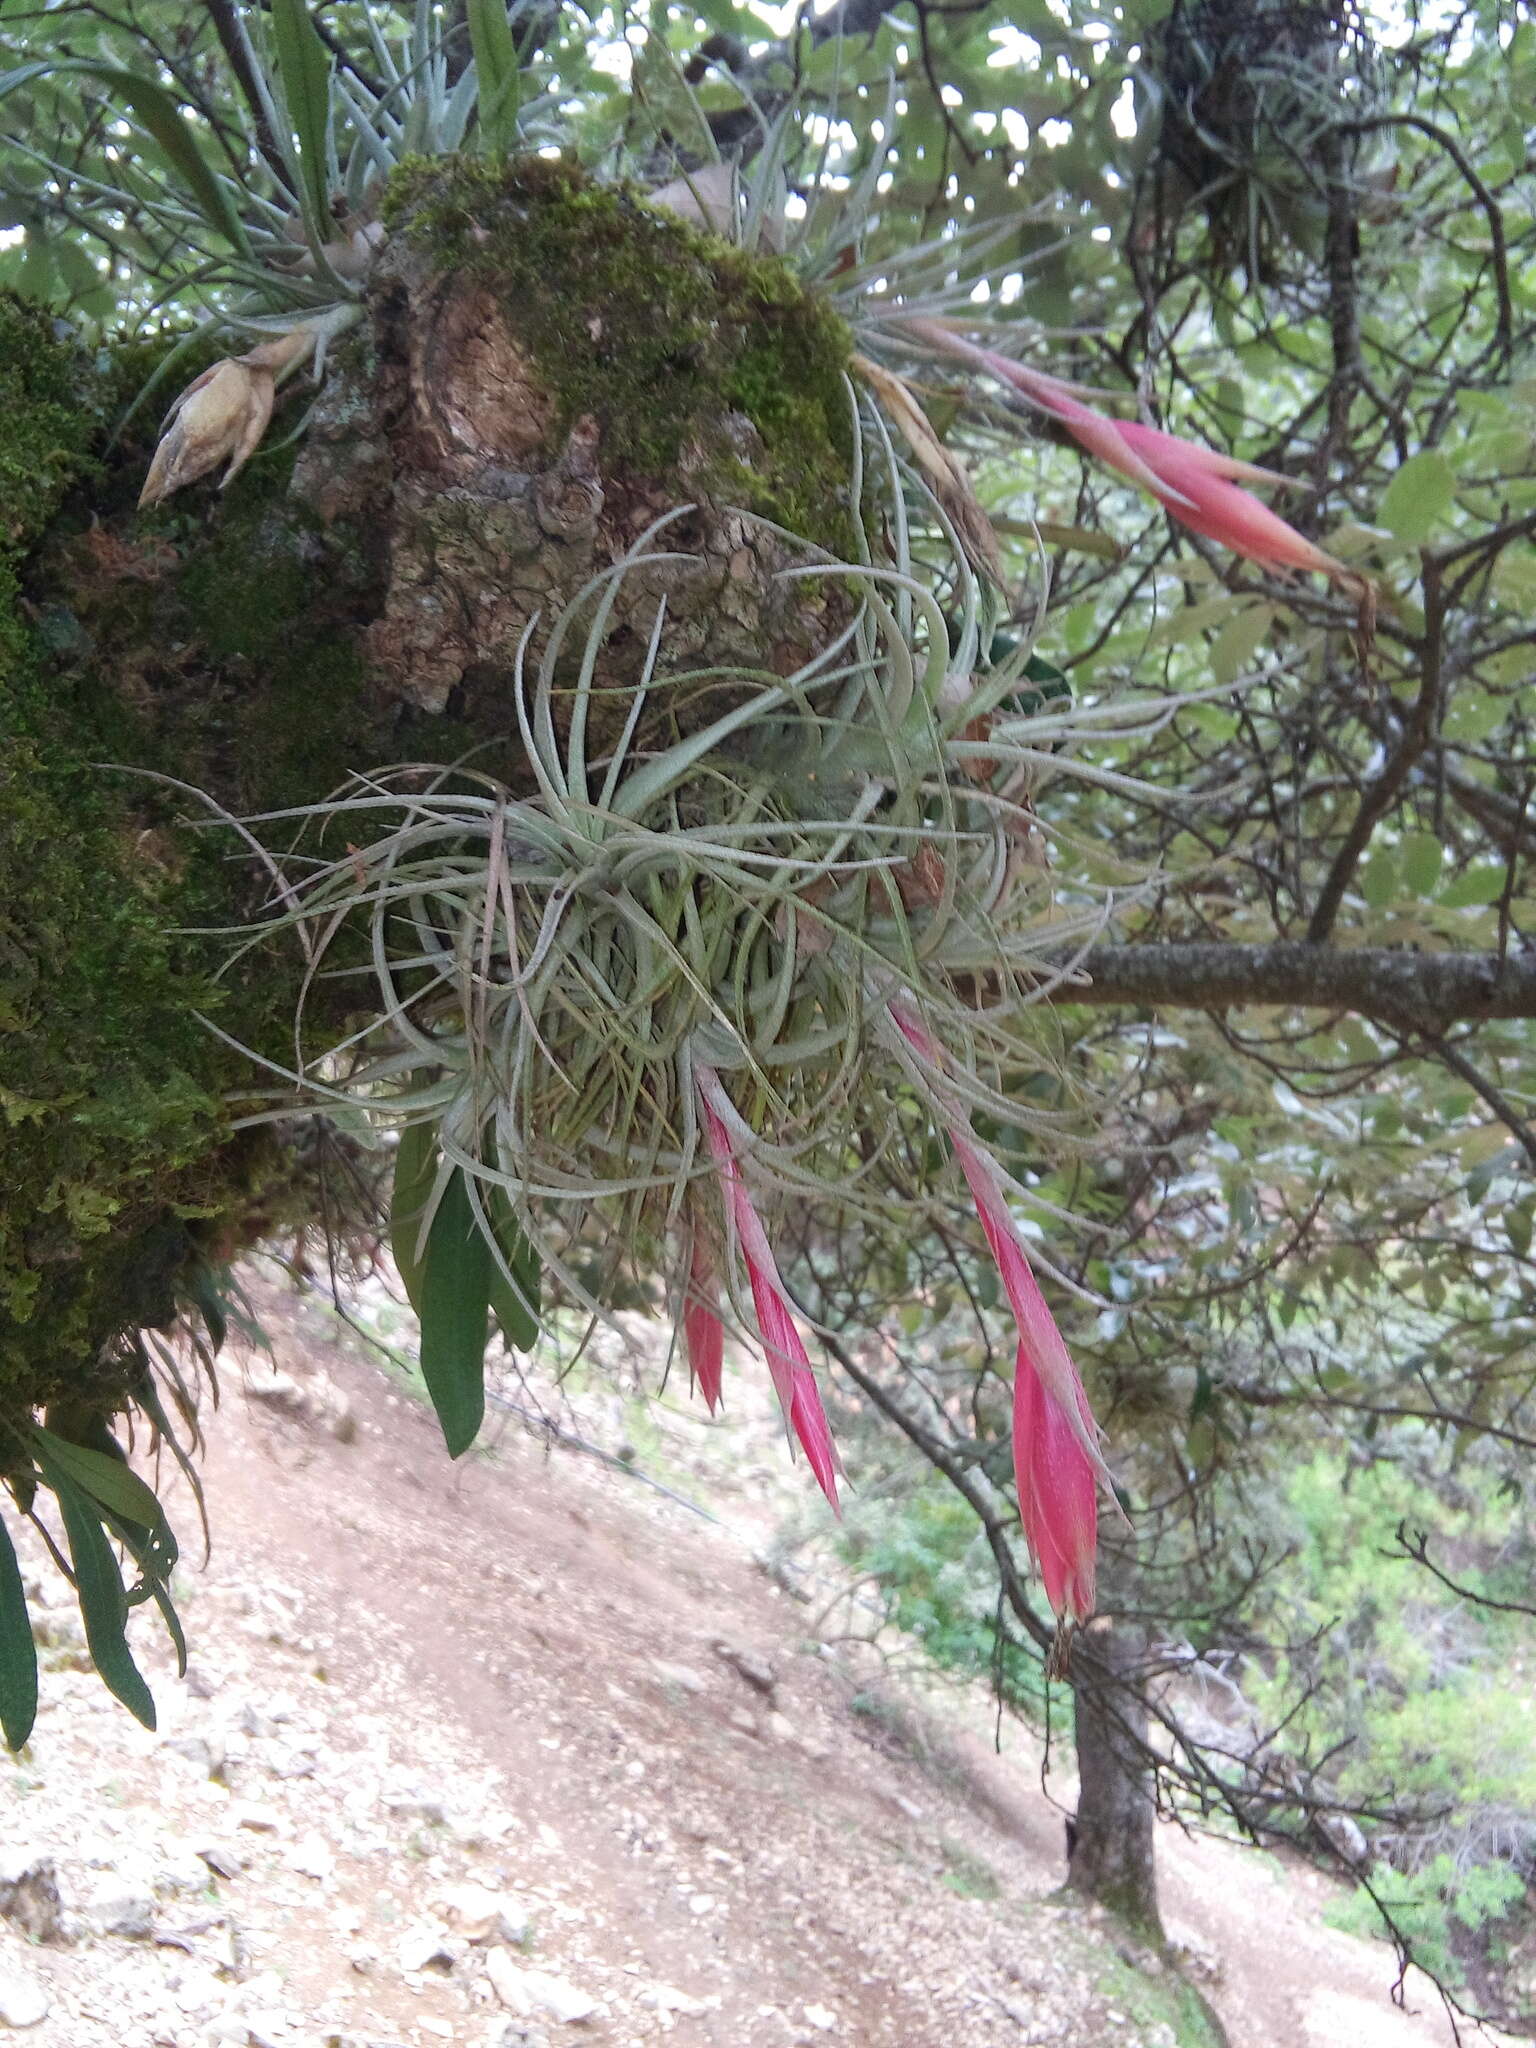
<point>624,1017</point>
<point>622,1013</point>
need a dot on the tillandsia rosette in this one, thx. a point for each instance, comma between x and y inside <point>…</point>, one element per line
<point>627,1013</point>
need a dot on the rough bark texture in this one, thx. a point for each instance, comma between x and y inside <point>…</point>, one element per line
<point>544,370</point>
<point>1112,1847</point>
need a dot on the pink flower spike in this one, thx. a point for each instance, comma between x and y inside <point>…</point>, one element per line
<point>703,1332</point>
<point>1056,1456</point>
<point>1196,484</point>
<point>1058,1499</point>
<point>789,1366</point>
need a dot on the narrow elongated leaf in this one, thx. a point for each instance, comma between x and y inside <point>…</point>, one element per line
<point>304,68</point>
<point>154,1572</point>
<point>155,110</point>
<point>204,1290</point>
<point>456,1276</point>
<point>497,74</point>
<point>103,1601</point>
<point>518,1318</point>
<point>415,1174</point>
<point>104,1478</point>
<point>18,1652</point>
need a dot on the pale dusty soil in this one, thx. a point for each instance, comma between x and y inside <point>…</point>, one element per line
<point>407,1675</point>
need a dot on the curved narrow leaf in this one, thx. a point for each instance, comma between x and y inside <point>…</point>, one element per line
<point>154,1570</point>
<point>515,1309</point>
<point>18,1652</point>
<point>103,1601</point>
<point>456,1276</point>
<point>415,1176</point>
<point>200,1284</point>
<point>108,1482</point>
<point>498,75</point>
<point>304,69</point>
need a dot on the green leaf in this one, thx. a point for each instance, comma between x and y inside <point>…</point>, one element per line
<point>1239,640</point>
<point>103,1601</point>
<point>154,1571</point>
<point>498,75</point>
<point>107,1481</point>
<point>154,109</point>
<point>1517,1228</point>
<point>1418,496</point>
<point>1381,877</point>
<point>667,97</point>
<point>304,69</point>
<point>1422,858</point>
<point>456,1276</point>
<point>1479,885</point>
<point>518,1319</point>
<point>415,1177</point>
<point>200,1284</point>
<point>18,1652</point>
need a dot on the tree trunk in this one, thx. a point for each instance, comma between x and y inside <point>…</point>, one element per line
<point>1113,1860</point>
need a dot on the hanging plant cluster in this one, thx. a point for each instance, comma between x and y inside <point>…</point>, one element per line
<point>733,895</point>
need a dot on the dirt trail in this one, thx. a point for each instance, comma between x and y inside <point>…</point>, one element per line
<point>529,1674</point>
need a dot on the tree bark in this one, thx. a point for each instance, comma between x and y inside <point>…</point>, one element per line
<point>1418,991</point>
<point>1113,1859</point>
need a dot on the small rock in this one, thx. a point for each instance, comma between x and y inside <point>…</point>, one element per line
<point>259,1820</point>
<point>199,1684</point>
<point>781,1727</point>
<point>507,1981</point>
<point>312,1856</point>
<point>743,1719</point>
<point>29,1894</point>
<point>483,1916</point>
<point>232,2027</point>
<point>417,1806</point>
<point>680,1675</point>
<point>818,2017</point>
<point>222,1862</point>
<point>529,1991</point>
<point>425,1950</point>
<point>747,1664</point>
<point>23,2001</point>
<point>128,1915</point>
<point>663,1999</point>
<point>700,1904</point>
<point>205,1756</point>
<point>315,1401</point>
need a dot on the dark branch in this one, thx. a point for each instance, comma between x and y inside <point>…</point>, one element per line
<point>1427,991</point>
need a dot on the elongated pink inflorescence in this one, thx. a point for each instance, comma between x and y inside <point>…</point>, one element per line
<point>703,1332</point>
<point>788,1363</point>
<point>1198,486</point>
<point>1056,1457</point>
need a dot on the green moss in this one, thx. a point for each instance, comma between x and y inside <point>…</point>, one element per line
<point>262,602</point>
<point>656,330</point>
<point>115,1147</point>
